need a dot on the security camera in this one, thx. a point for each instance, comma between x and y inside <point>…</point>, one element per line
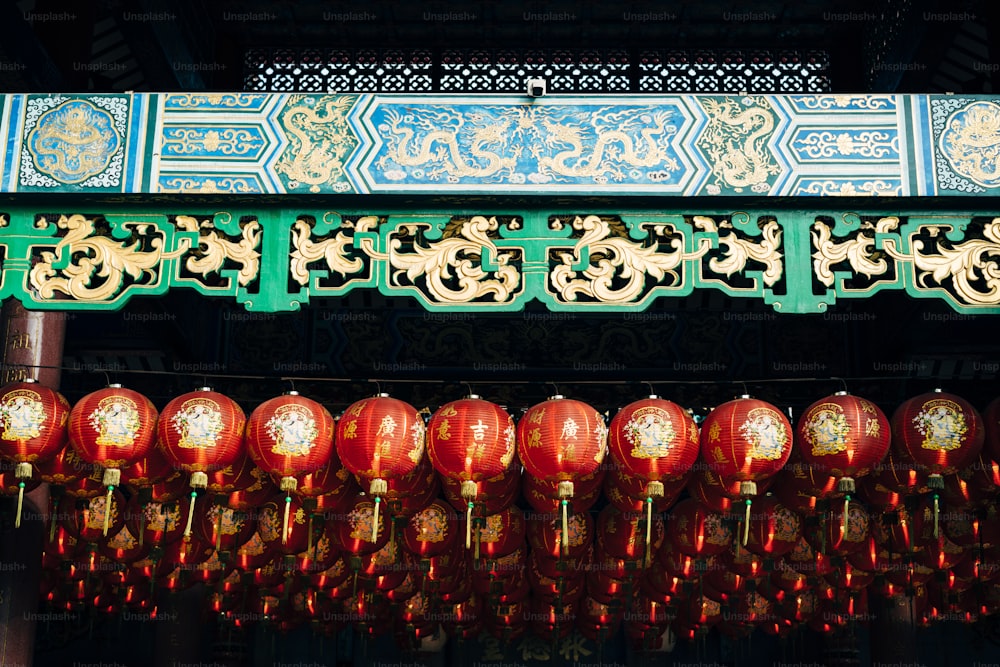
<point>536,87</point>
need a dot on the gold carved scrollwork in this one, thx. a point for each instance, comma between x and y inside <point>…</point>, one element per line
<point>616,258</point>
<point>975,278</point>
<point>740,250</point>
<point>93,256</point>
<point>216,249</point>
<point>334,251</point>
<point>858,251</point>
<point>460,253</point>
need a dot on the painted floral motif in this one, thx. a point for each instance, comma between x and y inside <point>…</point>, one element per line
<point>493,529</point>
<point>431,524</point>
<point>97,507</point>
<point>717,532</point>
<point>116,421</point>
<point>510,449</point>
<point>362,519</point>
<point>650,432</point>
<point>22,415</point>
<point>942,423</point>
<point>826,429</point>
<point>293,429</point>
<point>417,432</point>
<point>763,430</point>
<point>199,422</point>
<point>787,524</point>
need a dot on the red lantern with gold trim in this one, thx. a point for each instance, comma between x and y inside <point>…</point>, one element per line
<point>559,441</point>
<point>655,440</point>
<point>431,531</point>
<point>200,432</point>
<point>746,440</point>
<point>471,440</point>
<point>288,436</point>
<point>112,427</point>
<point>844,436</point>
<point>939,431</point>
<point>32,429</point>
<point>378,439</point>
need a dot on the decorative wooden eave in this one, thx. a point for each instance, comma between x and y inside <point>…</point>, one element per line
<point>479,202</point>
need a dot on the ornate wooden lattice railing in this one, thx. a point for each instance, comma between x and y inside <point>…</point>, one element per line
<point>276,259</point>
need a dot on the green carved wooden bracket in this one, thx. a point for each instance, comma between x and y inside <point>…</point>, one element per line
<point>274,259</point>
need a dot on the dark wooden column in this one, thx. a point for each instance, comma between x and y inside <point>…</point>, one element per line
<point>32,341</point>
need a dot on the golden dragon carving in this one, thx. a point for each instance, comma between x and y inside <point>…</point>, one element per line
<point>448,153</point>
<point>317,152</point>
<point>736,141</point>
<point>598,161</point>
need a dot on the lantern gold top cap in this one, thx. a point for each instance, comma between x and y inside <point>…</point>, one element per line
<point>291,392</point>
<point>840,393</point>
<point>204,388</point>
<point>382,394</point>
<point>115,385</point>
<point>938,390</point>
<point>745,396</point>
<point>29,380</point>
<point>556,397</point>
<point>473,396</point>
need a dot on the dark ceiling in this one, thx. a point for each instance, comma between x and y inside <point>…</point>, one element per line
<point>156,45</point>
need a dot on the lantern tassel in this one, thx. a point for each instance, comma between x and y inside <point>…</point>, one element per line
<point>284,529</point>
<point>468,527</point>
<point>378,502</point>
<point>843,522</point>
<point>564,538</point>
<point>20,504</point>
<point>937,510</point>
<point>218,527</point>
<point>649,527</point>
<point>309,540</point>
<point>653,489</point>
<point>378,488</point>
<point>565,491</point>
<point>112,478</point>
<point>190,521</point>
<point>746,523</point>
<point>107,510</point>
<point>479,538</point>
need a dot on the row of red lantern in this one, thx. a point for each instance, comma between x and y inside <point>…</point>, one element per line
<point>608,582</point>
<point>472,441</point>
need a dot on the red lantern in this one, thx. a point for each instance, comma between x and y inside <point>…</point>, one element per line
<point>470,440</point>
<point>559,441</point>
<point>431,531</point>
<point>939,431</point>
<point>697,531</point>
<point>288,436</point>
<point>380,438</point>
<point>654,440</point>
<point>746,440</point>
<point>774,529</point>
<point>113,427</point>
<point>844,436</point>
<point>201,432</point>
<point>32,429</point>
